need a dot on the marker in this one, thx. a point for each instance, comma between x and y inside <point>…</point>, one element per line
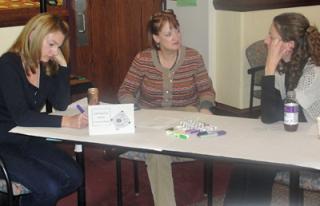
<point>212,133</point>
<point>177,134</point>
<point>192,131</point>
<point>182,136</point>
<point>80,108</point>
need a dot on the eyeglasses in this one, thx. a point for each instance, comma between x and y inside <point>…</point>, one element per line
<point>161,13</point>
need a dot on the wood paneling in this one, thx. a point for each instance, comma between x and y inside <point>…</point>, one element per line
<point>17,17</point>
<point>250,5</point>
<point>117,32</point>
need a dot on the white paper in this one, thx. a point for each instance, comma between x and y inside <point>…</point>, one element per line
<point>111,119</point>
<point>247,139</point>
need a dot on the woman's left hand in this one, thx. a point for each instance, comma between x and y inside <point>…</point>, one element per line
<point>275,53</point>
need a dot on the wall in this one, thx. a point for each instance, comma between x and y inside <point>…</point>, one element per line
<point>228,57</point>
<point>235,31</point>
<point>194,34</point>
<point>221,39</point>
<point>8,36</point>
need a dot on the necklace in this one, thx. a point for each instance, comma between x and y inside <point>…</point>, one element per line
<point>175,61</point>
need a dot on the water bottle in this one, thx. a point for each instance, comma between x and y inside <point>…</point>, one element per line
<point>291,112</point>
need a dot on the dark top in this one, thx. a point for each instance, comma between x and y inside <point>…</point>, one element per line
<point>272,103</point>
<point>21,102</point>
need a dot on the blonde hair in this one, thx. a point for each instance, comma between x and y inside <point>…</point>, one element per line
<point>39,27</point>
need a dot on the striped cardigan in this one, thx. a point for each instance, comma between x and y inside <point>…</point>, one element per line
<point>150,85</point>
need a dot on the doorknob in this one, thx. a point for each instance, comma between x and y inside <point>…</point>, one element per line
<point>81,26</point>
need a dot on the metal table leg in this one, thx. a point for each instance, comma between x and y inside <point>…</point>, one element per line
<point>209,173</point>
<point>205,181</point>
<point>136,177</point>
<point>295,193</point>
<point>82,189</point>
<point>119,181</point>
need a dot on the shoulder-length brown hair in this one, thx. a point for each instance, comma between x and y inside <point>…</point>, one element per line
<point>30,51</point>
<point>156,23</point>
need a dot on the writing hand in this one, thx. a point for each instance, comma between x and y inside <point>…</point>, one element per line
<point>76,121</point>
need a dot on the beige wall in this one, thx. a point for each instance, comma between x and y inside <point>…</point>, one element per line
<point>235,31</point>
<point>8,36</point>
<point>230,34</point>
<point>227,43</point>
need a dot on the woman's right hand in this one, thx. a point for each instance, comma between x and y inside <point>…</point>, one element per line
<point>76,121</point>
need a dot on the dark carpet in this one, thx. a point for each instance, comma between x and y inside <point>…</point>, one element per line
<point>101,181</point>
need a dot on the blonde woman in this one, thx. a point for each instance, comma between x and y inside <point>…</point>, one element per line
<point>34,71</point>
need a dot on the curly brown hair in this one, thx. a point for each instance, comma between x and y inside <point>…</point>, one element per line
<point>296,27</point>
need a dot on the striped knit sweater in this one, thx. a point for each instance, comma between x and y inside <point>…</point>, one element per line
<point>150,85</point>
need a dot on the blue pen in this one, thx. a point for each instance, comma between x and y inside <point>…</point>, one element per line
<point>211,133</point>
<point>80,108</point>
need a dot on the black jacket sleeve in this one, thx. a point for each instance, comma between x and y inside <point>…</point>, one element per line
<point>17,102</point>
<point>271,102</point>
<point>59,96</point>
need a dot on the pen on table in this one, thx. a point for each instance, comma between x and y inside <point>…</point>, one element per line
<point>211,133</point>
<point>80,108</point>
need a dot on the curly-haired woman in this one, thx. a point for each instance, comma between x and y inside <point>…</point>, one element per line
<point>293,64</point>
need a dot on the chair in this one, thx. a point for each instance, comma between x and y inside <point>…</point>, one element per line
<point>308,180</point>
<point>140,156</point>
<point>256,55</point>
<point>12,189</point>
<point>137,157</point>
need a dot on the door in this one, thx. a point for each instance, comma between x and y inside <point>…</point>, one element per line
<point>116,32</point>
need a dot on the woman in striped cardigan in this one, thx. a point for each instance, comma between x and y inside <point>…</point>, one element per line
<point>167,76</point>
